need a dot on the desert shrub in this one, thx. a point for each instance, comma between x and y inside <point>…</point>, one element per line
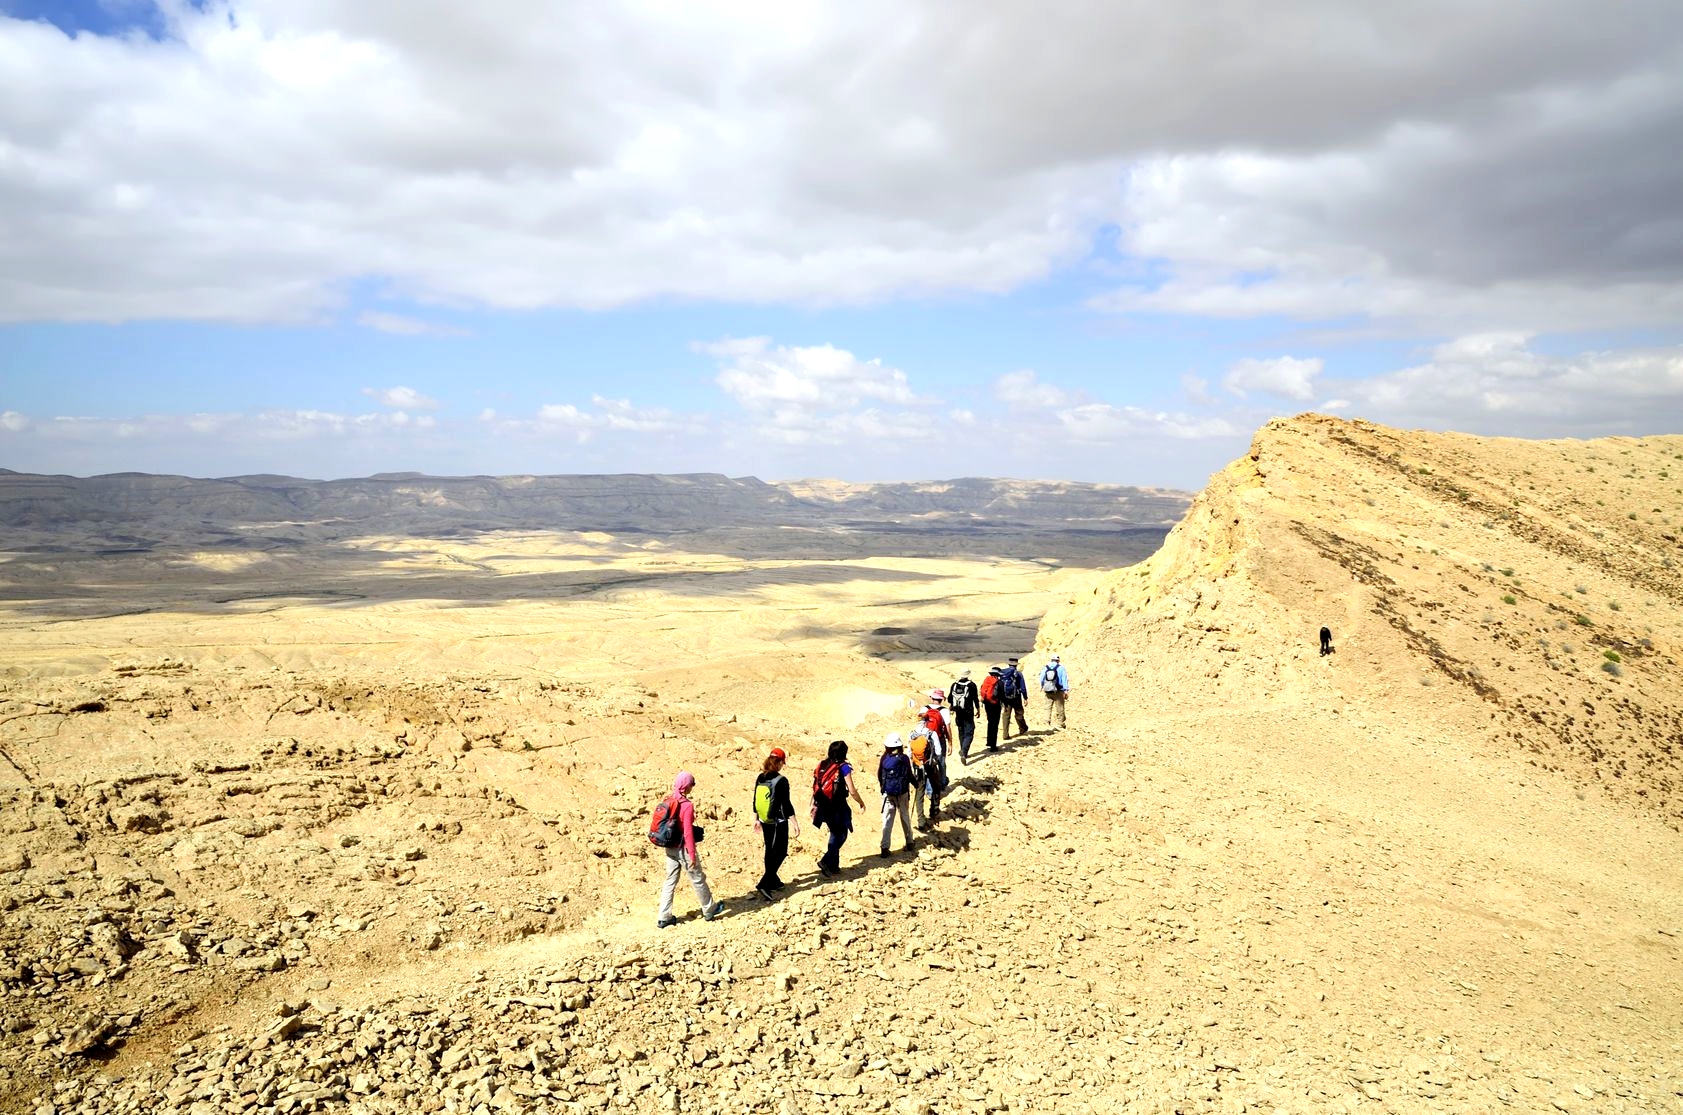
<point>1582,588</point>
<point>1568,648</point>
<point>1611,656</point>
<point>1487,567</point>
<point>1612,605</point>
<point>1581,620</point>
<point>1632,515</point>
<point>1509,600</point>
<point>1613,668</point>
<point>1507,572</point>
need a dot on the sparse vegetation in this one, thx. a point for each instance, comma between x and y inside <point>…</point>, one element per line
<point>1582,588</point>
<point>1613,668</point>
<point>1582,620</point>
<point>1613,606</point>
<point>1611,656</point>
<point>1509,600</point>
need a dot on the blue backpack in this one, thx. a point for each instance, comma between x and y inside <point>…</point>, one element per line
<point>895,774</point>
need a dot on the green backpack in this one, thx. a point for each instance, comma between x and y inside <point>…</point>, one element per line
<point>765,794</point>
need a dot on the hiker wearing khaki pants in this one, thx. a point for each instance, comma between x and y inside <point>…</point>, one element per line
<point>1054,682</point>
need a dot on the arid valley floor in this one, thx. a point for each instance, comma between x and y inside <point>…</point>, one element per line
<point>356,822</point>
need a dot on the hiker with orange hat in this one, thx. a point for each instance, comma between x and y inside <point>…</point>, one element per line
<point>774,819</point>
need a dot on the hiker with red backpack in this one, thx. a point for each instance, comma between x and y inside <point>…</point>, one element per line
<point>894,778</point>
<point>774,819</point>
<point>832,785</point>
<point>992,702</point>
<point>963,700</point>
<point>938,722</point>
<point>673,829</point>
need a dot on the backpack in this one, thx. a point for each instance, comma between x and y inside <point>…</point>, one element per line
<point>921,751</point>
<point>765,799</point>
<point>1012,685</point>
<point>1049,679</point>
<point>961,694</point>
<point>825,779</point>
<point>990,689</point>
<point>934,722</point>
<point>894,777</point>
<point>666,830</point>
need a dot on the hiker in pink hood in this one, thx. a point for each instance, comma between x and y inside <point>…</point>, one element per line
<point>681,855</point>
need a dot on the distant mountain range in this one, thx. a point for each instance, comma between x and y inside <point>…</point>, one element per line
<point>143,510</point>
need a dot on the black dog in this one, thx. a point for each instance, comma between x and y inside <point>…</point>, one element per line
<point>1326,641</point>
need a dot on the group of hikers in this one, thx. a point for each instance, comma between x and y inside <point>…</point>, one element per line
<point>911,776</point>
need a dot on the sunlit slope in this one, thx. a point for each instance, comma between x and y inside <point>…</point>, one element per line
<point>1503,592</point>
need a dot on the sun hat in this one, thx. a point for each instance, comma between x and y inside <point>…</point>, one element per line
<point>892,741</point>
<point>937,695</point>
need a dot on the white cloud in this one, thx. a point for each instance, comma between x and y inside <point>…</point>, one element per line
<point>404,326</point>
<point>1282,375</point>
<point>1504,164</point>
<point>1023,388</point>
<point>13,422</point>
<point>1102,422</point>
<point>1498,384</point>
<point>400,398</point>
<point>765,378</point>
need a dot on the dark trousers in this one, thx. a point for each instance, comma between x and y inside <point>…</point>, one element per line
<point>777,850</point>
<point>1014,707</point>
<point>992,709</point>
<point>966,732</point>
<point>840,822</point>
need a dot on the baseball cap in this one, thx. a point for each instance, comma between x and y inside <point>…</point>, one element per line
<point>777,753</point>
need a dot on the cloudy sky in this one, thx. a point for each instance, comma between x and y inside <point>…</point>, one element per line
<point>1097,241</point>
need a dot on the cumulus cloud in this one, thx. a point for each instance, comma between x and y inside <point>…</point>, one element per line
<point>763,377</point>
<point>1282,375</point>
<point>1498,384</point>
<point>400,398</point>
<point>1501,162</point>
<point>13,422</point>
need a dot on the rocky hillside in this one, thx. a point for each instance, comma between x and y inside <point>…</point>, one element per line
<point>1527,593</point>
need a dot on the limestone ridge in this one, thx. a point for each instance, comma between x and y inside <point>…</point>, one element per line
<point>1524,592</point>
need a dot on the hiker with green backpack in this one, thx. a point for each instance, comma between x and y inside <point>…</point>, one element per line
<point>774,819</point>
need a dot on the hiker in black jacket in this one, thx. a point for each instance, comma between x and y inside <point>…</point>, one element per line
<point>1014,687</point>
<point>964,700</point>
<point>774,819</point>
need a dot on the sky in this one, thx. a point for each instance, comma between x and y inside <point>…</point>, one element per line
<point>867,240</point>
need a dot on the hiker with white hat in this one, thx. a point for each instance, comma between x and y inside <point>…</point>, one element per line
<point>963,700</point>
<point>894,777</point>
<point>1054,682</point>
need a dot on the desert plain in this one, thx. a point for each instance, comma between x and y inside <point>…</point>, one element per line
<point>316,809</point>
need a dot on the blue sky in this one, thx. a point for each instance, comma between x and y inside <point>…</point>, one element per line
<point>867,241</point>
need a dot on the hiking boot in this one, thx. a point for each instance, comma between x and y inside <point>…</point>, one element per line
<point>713,911</point>
<point>763,893</point>
<point>665,923</point>
<point>778,885</point>
<point>884,852</point>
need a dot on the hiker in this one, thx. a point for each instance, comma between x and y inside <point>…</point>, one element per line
<point>929,781</point>
<point>832,785</point>
<point>774,819</point>
<point>939,723</point>
<point>992,702</point>
<point>681,855</point>
<point>1014,688</point>
<point>1054,682</point>
<point>963,700</point>
<point>894,778</point>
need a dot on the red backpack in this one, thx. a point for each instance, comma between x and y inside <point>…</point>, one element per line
<point>665,828</point>
<point>990,689</point>
<point>825,778</point>
<point>936,723</point>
